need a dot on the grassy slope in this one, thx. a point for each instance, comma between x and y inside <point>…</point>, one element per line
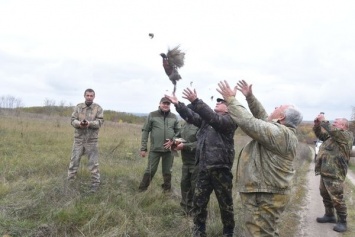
<point>36,200</point>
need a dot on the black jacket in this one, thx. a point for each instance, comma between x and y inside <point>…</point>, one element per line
<point>215,138</point>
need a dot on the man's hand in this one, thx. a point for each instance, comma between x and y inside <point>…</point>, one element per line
<point>320,117</point>
<point>189,94</point>
<point>172,98</point>
<point>168,144</point>
<point>84,124</point>
<point>225,90</point>
<point>246,89</point>
<point>179,146</point>
<point>143,153</point>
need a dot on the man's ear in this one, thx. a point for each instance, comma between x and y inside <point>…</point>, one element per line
<point>281,117</point>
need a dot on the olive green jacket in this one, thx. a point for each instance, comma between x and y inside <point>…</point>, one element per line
<point>188,133</point>
<point>334,153</point>
<point>265,164</point>
<point>161,126</point>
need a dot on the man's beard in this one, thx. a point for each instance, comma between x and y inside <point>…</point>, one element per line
<point>88,103</point>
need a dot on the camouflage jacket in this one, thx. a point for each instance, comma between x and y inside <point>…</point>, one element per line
<point>188,133</point>
<point>215,137</point>
<point>265,164</point>
<point>94,114</point>
<point>161,126</point>
<point>334,153</point>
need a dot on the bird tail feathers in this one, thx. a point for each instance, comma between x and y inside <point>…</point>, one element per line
<point>176,57</point>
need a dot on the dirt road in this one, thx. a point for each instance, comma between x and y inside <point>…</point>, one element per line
<point>315,209</point>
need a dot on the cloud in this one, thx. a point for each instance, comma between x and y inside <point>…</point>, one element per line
<point>298,52</point>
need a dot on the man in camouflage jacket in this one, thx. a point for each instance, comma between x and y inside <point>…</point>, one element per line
<point>265,165</point>
<point>214,158</point>
<point>87,119</point>
<point>332,165</point>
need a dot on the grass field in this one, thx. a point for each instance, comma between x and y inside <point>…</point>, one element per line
<point>36,200</point>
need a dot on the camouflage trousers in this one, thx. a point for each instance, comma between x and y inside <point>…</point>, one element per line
<point>220,181</point>
<point>91,150</point>
<point>262,213</point>
<point>332,192</point>
<point>187,185</point>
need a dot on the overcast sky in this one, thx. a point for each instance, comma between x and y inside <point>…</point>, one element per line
<point>298,52</point>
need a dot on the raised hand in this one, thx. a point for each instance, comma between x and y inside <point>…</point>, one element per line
<point>225,90</point>
<point>189,94</point>
<point>246,89</point>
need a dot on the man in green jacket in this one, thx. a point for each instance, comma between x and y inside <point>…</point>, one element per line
<point>162,126</point>
<point>332,166</point>
<point>265,165</point>
<point>189,169</point>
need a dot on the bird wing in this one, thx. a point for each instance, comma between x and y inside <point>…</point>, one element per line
<point>176,57</point>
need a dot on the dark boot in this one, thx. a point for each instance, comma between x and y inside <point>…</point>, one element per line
<point>328,216</point>
<point>200,230</point>
<point>143,186</point>
<point>228,232</point>
<point>341,224</point>
<point>167,183</point>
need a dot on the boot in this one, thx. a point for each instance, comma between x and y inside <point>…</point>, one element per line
<point>341,224</point>
<point>167,183</point>
<point>228,232</point>
<point>200,230</point>
<point>328,216</point>
<point>143,186</point>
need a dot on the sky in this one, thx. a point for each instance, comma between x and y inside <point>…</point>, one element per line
<point>292,52</point>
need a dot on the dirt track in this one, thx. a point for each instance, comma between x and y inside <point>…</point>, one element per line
<point>315,209</point>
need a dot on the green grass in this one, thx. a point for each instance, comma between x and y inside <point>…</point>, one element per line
<point>36,199</point>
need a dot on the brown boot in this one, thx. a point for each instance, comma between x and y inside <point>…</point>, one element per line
<point>143,186</point>
<point>167,183</point>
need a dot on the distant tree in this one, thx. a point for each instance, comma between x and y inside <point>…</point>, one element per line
<point>10,102</point>
<point>49,102</point>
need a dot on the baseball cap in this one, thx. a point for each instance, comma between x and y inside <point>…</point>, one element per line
<point>164,99</point>
<point>221,100</point>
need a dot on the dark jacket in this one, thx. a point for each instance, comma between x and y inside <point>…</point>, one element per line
<point>161,126</point>
<point>215,138</point>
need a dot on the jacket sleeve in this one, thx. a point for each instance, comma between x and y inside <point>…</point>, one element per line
<point>99,119</point>
<point>188,115</point>
<point>75,122</point>
<point>270,134</point>
<point>341,136</point>
<point>177,128</point>
<point>145,133</point>
<point>320,133</point>
<point>219,122</point>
